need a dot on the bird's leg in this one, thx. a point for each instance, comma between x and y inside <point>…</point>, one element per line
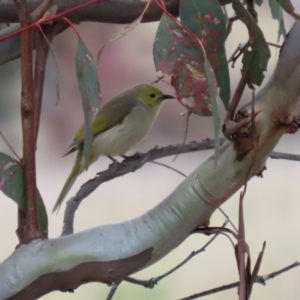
<point>118,165</point>
<point>135,156</point>
<point>113,159</point>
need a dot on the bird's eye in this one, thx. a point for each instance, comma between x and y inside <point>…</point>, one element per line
<point>152,95</point>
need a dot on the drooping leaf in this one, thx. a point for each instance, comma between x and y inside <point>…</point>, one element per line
<point>12,185</point>
<point>259,54</point>
<point>206,19</point>
<point>276,11</point>
<point>88,82</point>
<point>176,53</point>
<point>212,83</point>
<point>259,2</point>
<point>289,8</point>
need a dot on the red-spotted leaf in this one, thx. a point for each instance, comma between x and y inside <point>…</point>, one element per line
<point>206,19</point>
<point>260,53</point>
<point>12,185</point>
<point>88,82</point>
<point>178,54</point>
<point>276,11</point>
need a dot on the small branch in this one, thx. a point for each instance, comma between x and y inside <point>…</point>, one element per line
<point>230,23</point>
<point>153,281</point>
<point>187,119</point>
<point>130,164</point>
<point>135,162</point>
<point>260,279</point>
<point>49,19</point>
<point>274,45</point>
<point>241,48</point>
<point>168,167</point>
<point>32,229</point>
<point>228,219</point>
<point>287,156</point>
<point>9,146</point>
<point>112,290</point>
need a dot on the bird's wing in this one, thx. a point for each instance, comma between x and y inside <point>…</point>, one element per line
<point>110,114</point>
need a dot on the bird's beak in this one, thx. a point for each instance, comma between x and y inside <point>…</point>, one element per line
<point>164,97</point>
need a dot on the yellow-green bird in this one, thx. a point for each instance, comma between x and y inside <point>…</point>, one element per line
<point>119,125</point>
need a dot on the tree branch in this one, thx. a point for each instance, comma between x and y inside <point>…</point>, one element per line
<point>135,162</point>
<point>153,281</point>
<point>130,164</point>
<point>260,279</point>
<point>32,228</point>
<point>106,11</point>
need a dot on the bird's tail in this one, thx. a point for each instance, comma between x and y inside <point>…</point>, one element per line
<point>77,169</point>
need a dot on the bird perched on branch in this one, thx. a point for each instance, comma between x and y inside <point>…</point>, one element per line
<point>119,125</point>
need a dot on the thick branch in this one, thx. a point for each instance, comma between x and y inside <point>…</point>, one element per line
<point>32,229</point>
<point>106,11</point>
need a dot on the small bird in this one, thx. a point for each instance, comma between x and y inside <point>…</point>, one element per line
<point>119,125</point>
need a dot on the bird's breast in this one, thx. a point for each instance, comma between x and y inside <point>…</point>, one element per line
<point>122,137</point>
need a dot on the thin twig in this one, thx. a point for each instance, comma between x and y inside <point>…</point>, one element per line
<point>112,291</point>
<point>188,114</point>
<point>230,23</point>
<point>260,279</point>
<point>168,167</point>
<point>274,45</point>
<point>9,146</point>
<point>159,78</point>
<point>153,281</point>
<point>223,212</point>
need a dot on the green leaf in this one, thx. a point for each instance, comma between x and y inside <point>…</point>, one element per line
<point>12,185</point>
<point>259,2</point>
<point>276,11</point>
<point>260,53</point>
<point>211,79</point>
<point>206,19</point>
<point>88,82</point>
